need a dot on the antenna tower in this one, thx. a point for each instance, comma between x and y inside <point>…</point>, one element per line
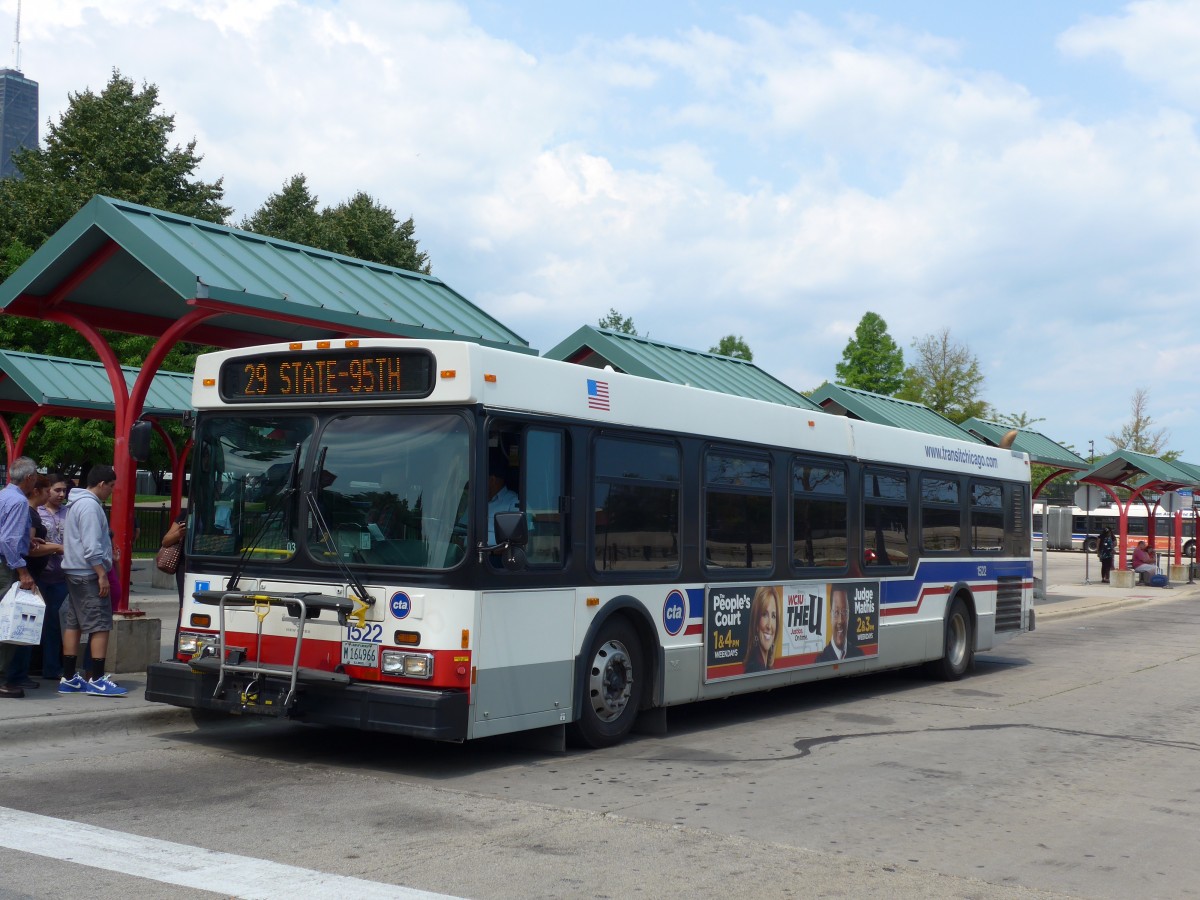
<point>17,40</point>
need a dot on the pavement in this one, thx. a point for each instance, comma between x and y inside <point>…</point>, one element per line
<point>46,715</point>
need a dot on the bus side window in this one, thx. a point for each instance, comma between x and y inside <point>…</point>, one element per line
<point>543,471</point>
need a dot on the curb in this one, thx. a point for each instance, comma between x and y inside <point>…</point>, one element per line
<point>60,726</point>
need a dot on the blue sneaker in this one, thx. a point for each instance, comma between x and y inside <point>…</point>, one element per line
<point>104,687</point>
<point>76,685</point>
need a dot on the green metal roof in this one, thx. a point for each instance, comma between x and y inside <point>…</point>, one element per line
<point>1039,447</point>
<point>1125,467</point>
<point>82,385</point>
<point>884,410</point>
<point>261,285</point>
<point>661,361</point>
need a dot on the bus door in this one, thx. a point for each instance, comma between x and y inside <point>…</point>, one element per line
<point>525,638</point>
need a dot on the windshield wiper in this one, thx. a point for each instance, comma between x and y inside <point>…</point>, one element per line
<point>281,501</point>
<point>310,495</point>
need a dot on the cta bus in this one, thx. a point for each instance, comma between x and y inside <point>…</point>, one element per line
<point>1074,528</point>
<point>348,563</point>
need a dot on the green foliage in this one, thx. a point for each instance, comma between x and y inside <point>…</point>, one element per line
<point>290,215</point>
<point>359,227</point>
<point>733,345</point>
<point>113,143</point>
<point>945,377</point>
<point>1017,420</point>
<point>1139,433</point>
<point>118,144</point>
<point>872,361</point>
<point>614,321</point>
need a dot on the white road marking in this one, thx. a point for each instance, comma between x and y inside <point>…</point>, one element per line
<point>184,865</point>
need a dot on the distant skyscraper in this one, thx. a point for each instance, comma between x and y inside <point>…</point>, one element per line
<point>18,117</point>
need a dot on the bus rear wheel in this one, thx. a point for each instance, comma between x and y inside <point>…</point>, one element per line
<point>958,643</point>
<point>1090,545</point>
<point>612,690</point>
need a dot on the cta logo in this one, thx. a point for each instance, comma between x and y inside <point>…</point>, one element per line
<point>674,613</point>
<point>401,604</point>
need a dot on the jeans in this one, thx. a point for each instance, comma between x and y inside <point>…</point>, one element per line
<point>53,593</point>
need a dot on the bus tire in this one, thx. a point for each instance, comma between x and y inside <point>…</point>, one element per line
<point>612,691</point>
<point>1090,545</point>
<point>1189,548</point>
<point>958,643</point>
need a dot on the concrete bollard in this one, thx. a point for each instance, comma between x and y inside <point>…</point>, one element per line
<point>1178,574</point>
<point>1124,578</point>
<point>161,580</point>
<point>133,643</point>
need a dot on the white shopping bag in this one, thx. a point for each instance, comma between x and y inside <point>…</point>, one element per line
<point>21,615</point>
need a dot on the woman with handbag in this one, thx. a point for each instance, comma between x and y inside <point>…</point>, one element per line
<point>170,560</point>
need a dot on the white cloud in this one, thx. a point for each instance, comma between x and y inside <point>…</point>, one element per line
<point>773,179</point>
<point>1155,40</point>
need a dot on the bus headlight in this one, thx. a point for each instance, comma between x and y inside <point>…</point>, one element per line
<point>407,665</point>
<point>193,644</point>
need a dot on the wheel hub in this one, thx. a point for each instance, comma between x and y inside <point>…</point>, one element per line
<point>611,681</point>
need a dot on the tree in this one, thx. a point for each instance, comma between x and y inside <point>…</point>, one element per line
<point>118,144</point>
<point>290,215</point>
<point>360,227</point>
<point>1139,433</point>
<point>615,322</point>
<point>1018,420</point>
<point>364,229</point>
<point>946,377</point>
<point>113,143</point>
<point>872,361</point>
<point>733,345</point>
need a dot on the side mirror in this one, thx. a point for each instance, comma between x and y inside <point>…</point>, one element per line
<point>139,440</point>
<point>511,528</point>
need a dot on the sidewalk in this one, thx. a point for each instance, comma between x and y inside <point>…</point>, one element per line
<point>46,715</point>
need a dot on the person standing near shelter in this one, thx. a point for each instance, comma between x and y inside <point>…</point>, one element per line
<point>87,557</point>
<point>40,552</point>
<point>53,581</point>
<point>14,547</point>
<point>1106,547</point>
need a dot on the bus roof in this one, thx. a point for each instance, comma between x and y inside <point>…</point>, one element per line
<point>469,374</point>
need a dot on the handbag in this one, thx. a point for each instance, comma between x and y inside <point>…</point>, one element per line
<point>167,558</point>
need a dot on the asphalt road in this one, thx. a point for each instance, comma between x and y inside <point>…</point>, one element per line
<point>1064,765</point>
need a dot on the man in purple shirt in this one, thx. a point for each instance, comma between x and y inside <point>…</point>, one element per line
<point>14,546</point>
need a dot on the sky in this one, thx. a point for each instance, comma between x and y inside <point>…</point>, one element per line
<point>1026,175</point>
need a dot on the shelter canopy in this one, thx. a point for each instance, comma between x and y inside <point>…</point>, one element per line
<point>137,270</point>
<point>80,388</point>
<point>883,410</point>
<point>1040,448</point>
<point>636,355</point>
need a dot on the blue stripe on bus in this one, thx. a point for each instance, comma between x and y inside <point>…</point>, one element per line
<point>907,591</point>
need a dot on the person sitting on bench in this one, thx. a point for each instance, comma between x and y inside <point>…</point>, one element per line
<point>1143,562</point>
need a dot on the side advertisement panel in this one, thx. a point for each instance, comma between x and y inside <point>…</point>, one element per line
<point>761,628</point>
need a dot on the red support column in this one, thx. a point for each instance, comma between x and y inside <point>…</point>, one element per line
<point>9,450</point>
<point>121,514</point>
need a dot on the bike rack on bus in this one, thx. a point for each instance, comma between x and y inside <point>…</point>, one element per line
<point>298,603</point>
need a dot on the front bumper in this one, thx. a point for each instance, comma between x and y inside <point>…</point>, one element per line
<point>416,712</point>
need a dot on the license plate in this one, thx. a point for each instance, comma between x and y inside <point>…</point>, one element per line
<point>360,654</point>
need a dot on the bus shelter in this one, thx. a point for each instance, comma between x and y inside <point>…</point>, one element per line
<point>43,386</point>
<point>1146,479</point>
<point>134,269</point>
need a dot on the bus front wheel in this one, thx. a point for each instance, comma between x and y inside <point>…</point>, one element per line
<point>1090,545</point>
<point>958,643</point>
<point>612,690</point>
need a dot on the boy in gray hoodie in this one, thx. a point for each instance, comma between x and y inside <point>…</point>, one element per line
<point>87,557</point>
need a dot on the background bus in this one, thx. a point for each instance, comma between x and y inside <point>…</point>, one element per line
<point>1073,528</point>
<point>671,544</point>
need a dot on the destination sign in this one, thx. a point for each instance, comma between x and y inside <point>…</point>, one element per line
<point>313,376</point>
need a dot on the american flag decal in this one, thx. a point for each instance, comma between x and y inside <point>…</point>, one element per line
<point>597,394</point>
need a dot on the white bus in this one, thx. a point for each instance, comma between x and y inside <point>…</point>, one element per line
<point>671,544</point>
<point>1078,528</point>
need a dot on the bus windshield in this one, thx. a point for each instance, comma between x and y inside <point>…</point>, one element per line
<point>391,490</point>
